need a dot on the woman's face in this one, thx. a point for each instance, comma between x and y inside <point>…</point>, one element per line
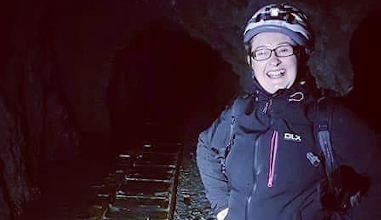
<point>275,72</point>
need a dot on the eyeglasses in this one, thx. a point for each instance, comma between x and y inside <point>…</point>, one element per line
<point>285,50</point>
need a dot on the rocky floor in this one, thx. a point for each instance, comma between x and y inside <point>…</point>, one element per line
<point>67,192</point>
<point>191,203</point>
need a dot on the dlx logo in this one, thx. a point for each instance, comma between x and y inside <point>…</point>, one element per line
<point>292,137</point>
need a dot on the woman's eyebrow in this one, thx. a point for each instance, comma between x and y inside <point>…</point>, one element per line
<point>277,45</point>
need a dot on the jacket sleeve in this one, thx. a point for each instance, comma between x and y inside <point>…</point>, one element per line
<point>355,145</point>
<point>211,144</point>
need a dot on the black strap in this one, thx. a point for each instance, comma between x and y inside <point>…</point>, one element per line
<point>222,153</point>
<point>322,130</point>
<point>324,114</point>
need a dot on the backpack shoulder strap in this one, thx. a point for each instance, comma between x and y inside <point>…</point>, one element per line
<point>235,110</point>
<point>324,111</point>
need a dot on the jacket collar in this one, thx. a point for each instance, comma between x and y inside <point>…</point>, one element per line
<point>297,92</point>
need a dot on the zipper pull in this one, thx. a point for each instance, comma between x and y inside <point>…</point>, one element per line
<point>314,160</point>
<point>267,106</point>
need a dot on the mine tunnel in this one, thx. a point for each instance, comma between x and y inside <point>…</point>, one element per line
<point>83,82</point>
<point>165,86</point>
<point>159,83</point>
<point>162,86</point>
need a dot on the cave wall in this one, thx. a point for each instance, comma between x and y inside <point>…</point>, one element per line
<point>59,57</point>
<point>334,22</point>
<point>87,36</point>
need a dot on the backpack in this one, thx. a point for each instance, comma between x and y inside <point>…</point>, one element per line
<point>341,187</point>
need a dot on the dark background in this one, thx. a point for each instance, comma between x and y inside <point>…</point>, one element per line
<point>83,79</point>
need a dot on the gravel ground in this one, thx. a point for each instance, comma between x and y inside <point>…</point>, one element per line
<point>68,194</point>
<point>191,203</point>
<point>66,190</point>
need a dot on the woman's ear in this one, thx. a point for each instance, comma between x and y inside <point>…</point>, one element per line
<point>249,62</point>
<point>248,59</point>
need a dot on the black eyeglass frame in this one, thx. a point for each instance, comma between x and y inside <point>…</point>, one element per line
<point>295,51</point>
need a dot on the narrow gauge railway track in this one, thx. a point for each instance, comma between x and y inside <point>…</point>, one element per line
<point>142,187</point>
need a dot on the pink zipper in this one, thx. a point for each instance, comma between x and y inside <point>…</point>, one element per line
<point>273,151</point>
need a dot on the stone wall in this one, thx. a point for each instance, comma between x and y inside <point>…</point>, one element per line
<point>59,56</point>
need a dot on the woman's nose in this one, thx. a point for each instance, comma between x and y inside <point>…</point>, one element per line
<point>274,60</point>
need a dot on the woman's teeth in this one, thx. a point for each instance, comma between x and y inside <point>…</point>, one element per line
<point>275,74</point>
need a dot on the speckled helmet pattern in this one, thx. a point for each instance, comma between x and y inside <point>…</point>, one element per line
<point>283,18</point>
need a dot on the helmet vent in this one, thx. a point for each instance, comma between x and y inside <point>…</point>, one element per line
<point>274,12</point>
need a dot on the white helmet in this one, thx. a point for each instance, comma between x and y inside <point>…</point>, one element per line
<point>283,18</point>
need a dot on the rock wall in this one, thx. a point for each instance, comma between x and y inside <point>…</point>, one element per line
<point>59,58</point>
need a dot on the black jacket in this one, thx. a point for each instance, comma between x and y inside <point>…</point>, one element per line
<point>268,175</point>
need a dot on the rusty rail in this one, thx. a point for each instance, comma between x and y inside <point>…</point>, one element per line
<point>143,185</point>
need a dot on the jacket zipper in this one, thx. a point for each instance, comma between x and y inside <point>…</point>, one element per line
<point>273,151</point>
<point>249,198</point>
<point>267,106</point>
<point>272,159</point>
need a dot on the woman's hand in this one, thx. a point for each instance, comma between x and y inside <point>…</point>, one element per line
<point>221,215</point>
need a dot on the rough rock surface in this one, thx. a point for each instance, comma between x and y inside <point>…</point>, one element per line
<point>191,203</point>
<point>58,60</point>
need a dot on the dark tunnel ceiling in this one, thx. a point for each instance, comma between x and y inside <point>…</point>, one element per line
<point>165,76</point>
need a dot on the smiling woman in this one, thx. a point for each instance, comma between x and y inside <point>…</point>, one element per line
<point>276,70</point>
<point>260,159</point>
